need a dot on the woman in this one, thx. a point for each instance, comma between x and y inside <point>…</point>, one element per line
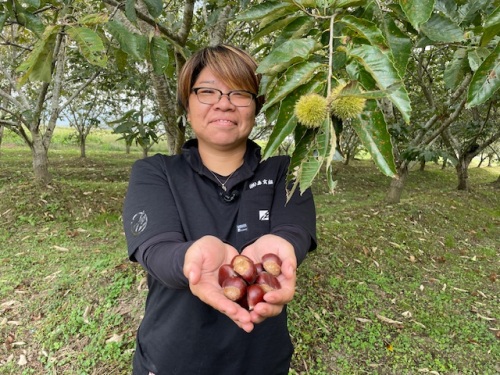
<point>186,215</point>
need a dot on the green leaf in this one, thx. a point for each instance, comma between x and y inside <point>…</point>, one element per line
<point>366,29</point>
<point>449,8</point>
<point>371,129</point>
<point>278,25</point>
<point>456,69</point>
<point>3,18</point>
<point>477,56</point>
<point>312,149</point>
<point>30,21</point>
<point>417,11</point>
<point>261,10</point>
<point>348,3</point>
<point>133,44</point>
<point>486,80</point>
<point>158,49</point>
<point>288,53</point>
<point>491,27</point>
<point>130,11</point>
<point>441,29</point>
<point>121,59</point>
<point>295,29</point>
<point>470,9</point>
<point>155,7</point>
<point>276,16</point>
<point>38,65</point>
<point>286,120</point>
<point>294,77</point>
<point>93,19</point>
<point>385,74</point>
<point>90,45</point>
<point>399,43</point>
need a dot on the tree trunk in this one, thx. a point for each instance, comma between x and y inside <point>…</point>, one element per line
<point>397,184</point>
<point>422,165</point>
<point>40,161</point>
<point>496,184</point>
<point>1,137</point>
<point>462,169</point>
<point>83,151</point>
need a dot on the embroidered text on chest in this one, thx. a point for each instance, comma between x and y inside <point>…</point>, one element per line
<point>260,182</point>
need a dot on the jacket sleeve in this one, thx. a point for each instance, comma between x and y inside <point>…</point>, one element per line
<point>152,225</point>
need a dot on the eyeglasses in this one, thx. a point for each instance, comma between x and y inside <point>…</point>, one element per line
<point>238,98</point>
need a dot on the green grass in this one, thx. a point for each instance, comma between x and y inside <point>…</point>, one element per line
<point>402,289</point>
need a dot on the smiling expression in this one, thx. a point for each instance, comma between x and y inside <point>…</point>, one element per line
<point>221,125</point>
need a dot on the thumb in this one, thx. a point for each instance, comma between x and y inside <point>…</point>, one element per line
<point>192,273</point>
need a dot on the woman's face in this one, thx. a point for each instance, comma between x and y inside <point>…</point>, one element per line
<point>221,125</point>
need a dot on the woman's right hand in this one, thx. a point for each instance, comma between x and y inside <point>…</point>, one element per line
<point>201,267</point>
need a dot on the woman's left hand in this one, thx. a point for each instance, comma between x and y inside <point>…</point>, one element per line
<point>277,299</point>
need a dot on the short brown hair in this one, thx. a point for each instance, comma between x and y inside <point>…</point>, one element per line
<point>230,64</point>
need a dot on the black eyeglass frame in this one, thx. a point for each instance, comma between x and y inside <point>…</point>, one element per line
<point>221,94</point>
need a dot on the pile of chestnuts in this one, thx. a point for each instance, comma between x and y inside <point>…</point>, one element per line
<point>245,282</point>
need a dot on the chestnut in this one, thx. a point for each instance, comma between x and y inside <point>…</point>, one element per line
<point>267,282</point>
<point>244,267</point>
<point>226,271</point>
<point>255,294</point>
<point>259,267</point>
<point>272,264</point>
<point>234,288</point>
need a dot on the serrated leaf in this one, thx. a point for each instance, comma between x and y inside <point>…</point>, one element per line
<point>121,59</point>
<point>286,121</point>
<point>295,29</point>
<point>155,7</point>
<point>261,10</point>
<point>276,16</point>
<point>417,11</point>
<point>288,53</point>
<point>371,129</point>
<point>486,80</point>
<point>31,22</point>
<point>476,57</point>
<point>159,54</point>
<point>400,45</point>
<point>294,77</point>
<point>455,70</point>
<point>470,9</point>
<point>3,18</point>
<point>38,65</point>
<point>311,151</point>
<point>348,3</point>
<point>491,27</point>
<point>441,29</point>
<point>130,11</point>
<point>449,8</point>
<point>93,19</point>
<point>89,44</point>
<point>385,74</point>
<point>366,29</point>
<point>133,44</point>
<point>278,25</point>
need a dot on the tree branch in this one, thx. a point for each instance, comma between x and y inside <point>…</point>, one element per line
<point>174,39</point>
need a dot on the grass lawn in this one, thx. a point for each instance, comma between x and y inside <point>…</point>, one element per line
<point>404,289</point>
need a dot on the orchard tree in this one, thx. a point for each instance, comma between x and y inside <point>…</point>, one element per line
<point>471,136</point>
<point>37,36</point>
<point>346,61</point>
